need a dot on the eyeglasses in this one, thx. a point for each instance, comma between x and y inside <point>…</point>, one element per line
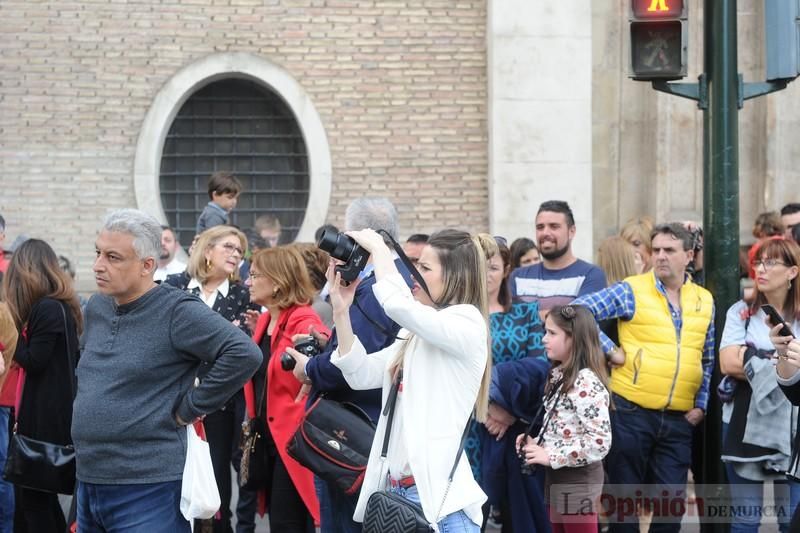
<point>256,275</point>
<point>230,248</point>
<point>768,264</point>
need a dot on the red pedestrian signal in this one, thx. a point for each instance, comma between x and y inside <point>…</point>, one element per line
<point>658,39</point>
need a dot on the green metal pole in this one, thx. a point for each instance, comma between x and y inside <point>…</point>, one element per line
<point>721,199</point>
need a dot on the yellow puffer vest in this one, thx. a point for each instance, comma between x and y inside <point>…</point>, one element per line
<point>662,371</point>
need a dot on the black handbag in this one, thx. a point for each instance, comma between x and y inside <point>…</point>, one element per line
<point>388,512</point>
<point>39,465</point>
<point>333,441</point>
<point>255,467</point>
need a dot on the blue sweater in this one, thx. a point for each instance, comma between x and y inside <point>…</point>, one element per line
<point>137,367</point>
<point>327,378</point>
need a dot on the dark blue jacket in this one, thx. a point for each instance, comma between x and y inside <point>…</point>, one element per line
<point>375,330</point>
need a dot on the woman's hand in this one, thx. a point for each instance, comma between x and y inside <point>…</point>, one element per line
<point>787,349</point>
<point>495,427</point>
<point>251,319</point>
<point>321,338</point>
<point>781,342</point>
<point>370,240</point>
<point>498,421</point>
<point>299,370</point>
<point>341,296</point>
<point>535,454</point>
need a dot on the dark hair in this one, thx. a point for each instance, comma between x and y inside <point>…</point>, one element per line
<point>418,238</point>
<point>796,233</point>
<point>322,229</point>
<point>2,223</point>
<point>790,209</point>
<point>504,296</point>
<point>678,231</point>
<point>316,261</point>
<point>223,182</point>
<point>254,240</point>
<point>579,324</point>
<point>33,274</point>
<point>520,247</point>
<point>66,266</point>
<point>558,206</point>
<point>788,253</point>
<point>767,225</point>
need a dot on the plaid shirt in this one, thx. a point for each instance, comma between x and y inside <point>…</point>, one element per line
<point>617,301</point>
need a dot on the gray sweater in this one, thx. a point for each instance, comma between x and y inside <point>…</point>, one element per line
<point>137,366</point>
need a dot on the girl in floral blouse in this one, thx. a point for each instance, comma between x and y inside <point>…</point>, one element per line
<point>576,431</point>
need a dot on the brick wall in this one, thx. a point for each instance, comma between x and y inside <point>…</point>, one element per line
<point>400,86</point>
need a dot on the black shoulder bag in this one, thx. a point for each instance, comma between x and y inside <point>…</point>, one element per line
<point>334,439</point>
<point>387,511</point>
<point>40,465</point>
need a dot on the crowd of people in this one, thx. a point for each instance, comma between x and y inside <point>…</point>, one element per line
<point>561,380</point>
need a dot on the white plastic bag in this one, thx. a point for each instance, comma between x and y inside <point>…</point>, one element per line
<point>199,494</point>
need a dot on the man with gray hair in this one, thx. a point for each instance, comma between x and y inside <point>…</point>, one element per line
<point>376,331</point>
<point>142,346</point>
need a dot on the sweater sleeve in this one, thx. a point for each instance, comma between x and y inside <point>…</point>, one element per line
<point>201,333</point>
<point>593,439</point>
<point>45,331</point>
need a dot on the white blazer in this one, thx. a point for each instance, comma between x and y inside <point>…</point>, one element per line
<point>442,373</point>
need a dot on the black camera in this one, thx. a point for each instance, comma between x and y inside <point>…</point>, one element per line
<point>345,249</point>
<point>308,347</point>
<point>524,468</point>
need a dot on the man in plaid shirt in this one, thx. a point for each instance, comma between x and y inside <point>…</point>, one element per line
<point>660,383</point>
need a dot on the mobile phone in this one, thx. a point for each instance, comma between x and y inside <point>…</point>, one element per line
<point>776,318</point>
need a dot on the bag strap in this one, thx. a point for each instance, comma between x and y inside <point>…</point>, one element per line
<point>388,411</point>
<point>407,262</point>
<point>21,379</point>
<point>555,391</point>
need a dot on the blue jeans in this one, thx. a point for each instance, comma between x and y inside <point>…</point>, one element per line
<point>146,508</point>
<point>336,509</point>
<point>6,488</point>
<point>748,495</point>
<point>457,522</point>
<point>648,446</point>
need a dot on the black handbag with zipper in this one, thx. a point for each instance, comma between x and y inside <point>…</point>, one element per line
<point>333,441</point>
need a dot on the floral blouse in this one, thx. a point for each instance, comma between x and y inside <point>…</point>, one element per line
<point>578,428</point>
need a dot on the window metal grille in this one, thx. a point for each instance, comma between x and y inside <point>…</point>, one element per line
<point>242,127</point>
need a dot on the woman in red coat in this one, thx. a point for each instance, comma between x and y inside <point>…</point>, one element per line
<point>280,282</point>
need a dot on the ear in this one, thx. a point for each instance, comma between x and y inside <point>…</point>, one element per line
<point>793,271</point>
<point>689,256</point>
<point>148,266</point>
<point>572,231</point>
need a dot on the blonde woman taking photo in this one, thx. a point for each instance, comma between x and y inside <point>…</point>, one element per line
<point>442,360</point>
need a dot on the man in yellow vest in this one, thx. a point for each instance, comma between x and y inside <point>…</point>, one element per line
<point>660,392</point>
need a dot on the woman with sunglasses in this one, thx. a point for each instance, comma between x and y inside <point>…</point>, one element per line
<point>212,275</point>
<point>755,453</point>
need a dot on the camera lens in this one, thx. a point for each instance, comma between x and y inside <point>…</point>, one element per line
<point>338,245</point>
<point>287,362</point>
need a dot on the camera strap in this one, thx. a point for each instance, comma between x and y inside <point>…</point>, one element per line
<point>408,264</point>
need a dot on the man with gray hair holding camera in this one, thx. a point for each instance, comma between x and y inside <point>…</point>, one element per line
<point>141,348</point>
<point>376,331</point>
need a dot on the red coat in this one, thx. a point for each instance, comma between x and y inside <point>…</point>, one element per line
<point>283,413</point>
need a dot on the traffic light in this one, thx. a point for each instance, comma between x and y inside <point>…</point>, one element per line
<point>659,37</point>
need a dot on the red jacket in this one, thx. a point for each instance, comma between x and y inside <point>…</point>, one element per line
<point>283,413</point>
